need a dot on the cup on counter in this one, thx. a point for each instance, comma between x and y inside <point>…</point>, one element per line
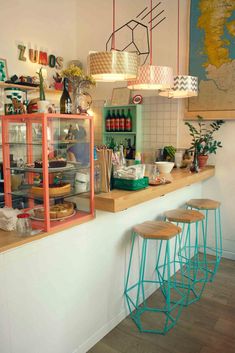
<point>151,171</point>
<point>81,182</point>
<point>16,181</point>
<point>178,158</point>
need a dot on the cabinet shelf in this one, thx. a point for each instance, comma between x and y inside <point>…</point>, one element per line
<point>68,168</point>
<point>126,133</point>
<point>26,193</point>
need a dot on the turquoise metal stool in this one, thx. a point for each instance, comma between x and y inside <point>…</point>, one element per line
<point>193,268</point>
<point>211,210</point>
<point>166,305</point>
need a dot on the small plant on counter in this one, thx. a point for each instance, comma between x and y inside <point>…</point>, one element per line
<point>203,142</point>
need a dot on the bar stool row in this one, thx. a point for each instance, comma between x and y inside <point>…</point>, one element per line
<point>182,266</point>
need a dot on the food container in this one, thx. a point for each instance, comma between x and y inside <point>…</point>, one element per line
<point>81,182</point>
<point>132,172</point>
<point>23,224</point>
<point>127,184</point>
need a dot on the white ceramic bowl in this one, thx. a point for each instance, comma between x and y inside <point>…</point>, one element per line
<point>165,167</point>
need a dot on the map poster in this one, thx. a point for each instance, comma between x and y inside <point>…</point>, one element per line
<point>212,57</point>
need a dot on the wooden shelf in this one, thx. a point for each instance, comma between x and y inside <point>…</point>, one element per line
<point>29,88</point>
<point>119,200</point>
<point>13,85</point>
<point>210,115</point>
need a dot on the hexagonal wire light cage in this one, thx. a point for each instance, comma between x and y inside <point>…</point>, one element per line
<point>152,77</point>
<point>185,86</point>
<point>113,65</point>
<point>128,37</point>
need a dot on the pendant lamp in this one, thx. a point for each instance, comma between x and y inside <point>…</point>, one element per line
<point>113,65</point>
<point>184,86</point>
<point>151,77</point>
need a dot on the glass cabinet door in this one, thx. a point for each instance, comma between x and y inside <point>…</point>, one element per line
<point>48,167</point>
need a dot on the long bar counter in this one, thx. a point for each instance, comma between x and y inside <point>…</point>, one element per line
<point>119,200</point>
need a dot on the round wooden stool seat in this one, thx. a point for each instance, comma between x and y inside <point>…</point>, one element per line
<point>184,216</point>
<point>203,204</point>
<point>157,230</point>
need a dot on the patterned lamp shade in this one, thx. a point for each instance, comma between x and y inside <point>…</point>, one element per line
<point>184,87</point>
<point>152,77</point>
<point>113,66</point>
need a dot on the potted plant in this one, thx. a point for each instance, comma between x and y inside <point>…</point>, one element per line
<point>203,141</point>
<point>42,103</point>
<point>78,80</point>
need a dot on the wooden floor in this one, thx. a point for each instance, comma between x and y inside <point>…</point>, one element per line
<point>207,326</point>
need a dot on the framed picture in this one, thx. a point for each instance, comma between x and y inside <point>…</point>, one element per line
<point>3,70</point>
<point>212,60</point>
<point>120,96</point>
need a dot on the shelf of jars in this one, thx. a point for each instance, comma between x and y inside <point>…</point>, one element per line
<point>49,171</point>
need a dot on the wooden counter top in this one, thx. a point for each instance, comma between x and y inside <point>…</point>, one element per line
<point>9,240</point>
<point>119,200</point>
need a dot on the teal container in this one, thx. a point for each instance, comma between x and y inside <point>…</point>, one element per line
<point>132,185</point>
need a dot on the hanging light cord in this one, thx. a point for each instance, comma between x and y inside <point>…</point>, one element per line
<point>178,39</point>
<point>113,36</point>
<point>151,35</point>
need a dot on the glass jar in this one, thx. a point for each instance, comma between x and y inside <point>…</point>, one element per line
<point>23,224</point>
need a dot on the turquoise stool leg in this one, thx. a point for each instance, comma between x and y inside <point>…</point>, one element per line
<point>218,245</point>
<point>193,268</point>
<point>137,302</point>
<point>211,265</point>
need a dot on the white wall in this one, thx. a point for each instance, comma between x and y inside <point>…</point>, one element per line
<point>63,293</point>
<point>43,25</point>
<point>222,186</point>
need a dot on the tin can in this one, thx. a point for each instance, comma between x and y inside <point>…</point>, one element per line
<point>12,95</point>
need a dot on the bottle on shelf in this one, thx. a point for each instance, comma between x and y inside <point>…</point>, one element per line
<point>122,157</point>
<point>112,121</point>
<point>133,151</point>
<point>138,158</point>
<point>117,121</point>
<point>107,122</point>
<point>128,121</point>
<point>112,144</point>
<point>65,100</point>
<point>128,149</point>
<point>122,121</point>
<point>194,168</point>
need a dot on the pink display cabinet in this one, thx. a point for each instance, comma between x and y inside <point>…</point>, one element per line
<point>48,167</point>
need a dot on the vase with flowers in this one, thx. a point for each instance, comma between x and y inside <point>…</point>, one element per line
<point>79,80</point>
<point>203,141</point>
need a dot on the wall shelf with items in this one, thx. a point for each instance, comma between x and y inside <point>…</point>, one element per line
<point>129,139</point>
<point>52,181</point>
<point>25,87</point>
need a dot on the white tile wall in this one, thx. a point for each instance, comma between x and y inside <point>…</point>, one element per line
<point>159,122</point>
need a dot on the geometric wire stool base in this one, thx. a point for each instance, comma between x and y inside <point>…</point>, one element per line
<point>193,264</point>
<point>161,311</point>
